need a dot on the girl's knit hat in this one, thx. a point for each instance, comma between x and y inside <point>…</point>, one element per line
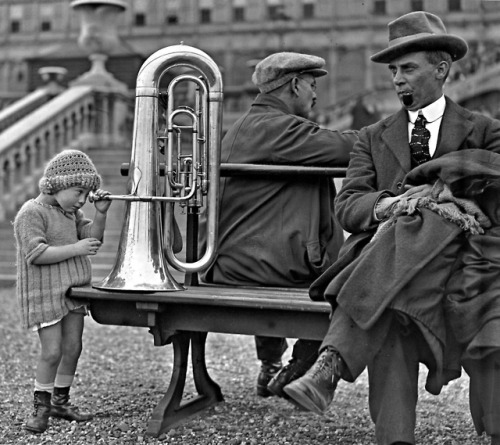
<point>70,168</point>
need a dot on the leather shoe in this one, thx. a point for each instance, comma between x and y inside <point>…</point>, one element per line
<point>292,371</point>
<point>314,391</point>
<point>39,421</point>
<point>268,370</point>
<point>61,407</point>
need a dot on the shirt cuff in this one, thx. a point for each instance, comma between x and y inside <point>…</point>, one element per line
<point>376,208</point>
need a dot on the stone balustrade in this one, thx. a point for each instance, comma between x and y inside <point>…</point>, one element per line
<point>20,108</point>
<point>80,117</point>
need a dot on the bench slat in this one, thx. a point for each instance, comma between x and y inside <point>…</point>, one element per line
<point>232,169</point>
<point>260,298</point>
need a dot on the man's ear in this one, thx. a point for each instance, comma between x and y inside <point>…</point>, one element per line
<point>294,86</point>
<point>442,69</point>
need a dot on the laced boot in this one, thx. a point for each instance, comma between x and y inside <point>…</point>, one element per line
<point>292,371</point>
<point>268,370</point>
<point>315,389</point>
<point>39,421</point>
<point>61,407</point>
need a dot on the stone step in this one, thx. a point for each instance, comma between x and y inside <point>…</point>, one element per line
<point>7,242</point>
<point>7,266</point>
<point>8,280</point>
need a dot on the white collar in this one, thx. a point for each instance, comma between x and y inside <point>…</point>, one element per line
<point>431,112</point>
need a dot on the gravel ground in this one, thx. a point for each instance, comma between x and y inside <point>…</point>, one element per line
<point>122,376</point>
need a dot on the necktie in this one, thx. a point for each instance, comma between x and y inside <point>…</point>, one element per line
<point>419,143</point>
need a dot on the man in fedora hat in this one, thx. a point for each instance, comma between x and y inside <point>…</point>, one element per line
<point>280,231</point>
<point>410,328</point>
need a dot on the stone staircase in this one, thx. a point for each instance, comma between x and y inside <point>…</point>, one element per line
<point>108,162</point>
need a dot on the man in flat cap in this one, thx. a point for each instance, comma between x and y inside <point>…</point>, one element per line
<point>408,326</point>
<point>280,231</point>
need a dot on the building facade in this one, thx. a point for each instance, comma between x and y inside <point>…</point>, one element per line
<point>237,33</point>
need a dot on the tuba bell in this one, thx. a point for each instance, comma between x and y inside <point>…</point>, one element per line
<point>191,179</point>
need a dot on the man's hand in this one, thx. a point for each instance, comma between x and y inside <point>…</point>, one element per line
<point>412,192</point>
<point>417,191</point>
<point>383,206</point>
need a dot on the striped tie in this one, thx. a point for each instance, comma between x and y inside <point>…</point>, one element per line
<point>419,143</point>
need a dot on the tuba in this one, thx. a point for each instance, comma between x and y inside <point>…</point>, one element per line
<point>191,177</point>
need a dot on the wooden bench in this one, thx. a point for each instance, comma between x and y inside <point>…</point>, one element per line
<point>184,318</point>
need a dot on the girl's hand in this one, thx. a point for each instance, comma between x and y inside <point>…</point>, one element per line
<point>87,246</point>
<point>101,204</point>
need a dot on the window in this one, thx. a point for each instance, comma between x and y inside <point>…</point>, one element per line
<point>379,7</point>
<point>140,19</point>
<point>47,15</point>
<point>173,8</point>
<point>45,26</point>
<point>19,76</point>
<point>238,14</point>
<point>206,7</point>
<point>308,10</point>
<point>417,5</point>
<point>16,16</point>
<point>205,15</point>
<point>15,26</point>
<point>277,12</point>
<point>454,5</point>
<point>272,11</point>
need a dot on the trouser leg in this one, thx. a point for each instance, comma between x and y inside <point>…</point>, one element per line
<point>356,346</point>
<point>393,386</point>
<point>270,348</point>
<point>306,350</point>
<point>269,352</point>
<point>484,393</point>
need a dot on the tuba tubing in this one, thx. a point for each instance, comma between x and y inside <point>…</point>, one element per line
<point>140,263</point>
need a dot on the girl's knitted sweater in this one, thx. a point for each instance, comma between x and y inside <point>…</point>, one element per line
<point>41,289</point>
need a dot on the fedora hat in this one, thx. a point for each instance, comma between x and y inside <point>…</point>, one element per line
<point>420,31</point>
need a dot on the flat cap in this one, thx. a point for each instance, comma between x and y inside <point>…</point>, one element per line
<point>279,68</point>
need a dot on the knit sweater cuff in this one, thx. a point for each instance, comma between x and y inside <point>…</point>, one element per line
<point>36,252</point>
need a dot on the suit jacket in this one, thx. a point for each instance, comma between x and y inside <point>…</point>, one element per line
<point>381,159</point>
<point>379,164</point>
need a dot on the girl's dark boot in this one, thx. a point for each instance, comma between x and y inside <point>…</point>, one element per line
<point>39,421</point>
<point>65,410</point>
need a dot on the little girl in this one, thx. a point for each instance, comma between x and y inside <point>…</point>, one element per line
<point>54,240</point>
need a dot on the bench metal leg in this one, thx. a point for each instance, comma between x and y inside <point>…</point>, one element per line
<point>171,410</point>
